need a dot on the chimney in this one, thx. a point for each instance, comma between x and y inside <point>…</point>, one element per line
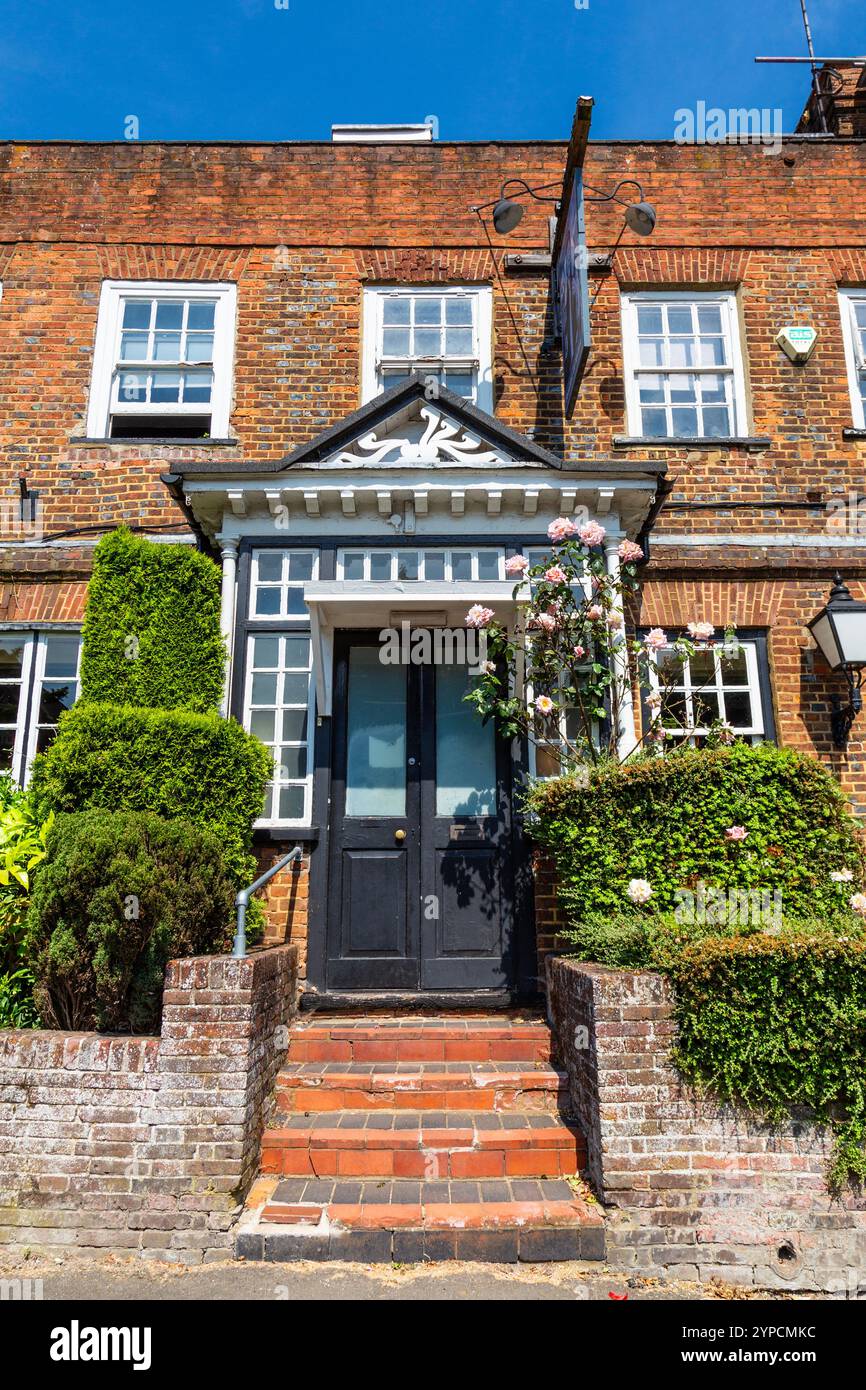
<point>842,87</point>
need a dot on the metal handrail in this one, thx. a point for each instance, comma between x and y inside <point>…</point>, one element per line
<point>242,901</point>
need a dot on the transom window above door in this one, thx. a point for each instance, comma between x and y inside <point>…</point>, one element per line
<point>683,366</point>
<point>442,333</point>
<point>163,361</point>
<point>427,564</point>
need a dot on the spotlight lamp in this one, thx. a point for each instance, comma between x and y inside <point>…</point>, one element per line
<point>640,217</point>
<point>840,633</point>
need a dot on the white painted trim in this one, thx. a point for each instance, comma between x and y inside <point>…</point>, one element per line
<point>626,734</point>
<point>229,552</point>
<point>847,300</point>
<point>631,366</point>
<point>107,342</point>
<point>371,316</point>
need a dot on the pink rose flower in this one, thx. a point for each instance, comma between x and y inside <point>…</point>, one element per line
<point>595,613</point>
<point>561,530</point>
<point>546,621</point>
<point>580,652</point>
<point>478,616</point>
<point>614,621</point>
<point>736,833</point>
<point>555,575</point>
<point>639,890</point>
<point>544,705</point>
<point>592,533</point>
<point>655,639</point>
<point>629,553</point>
<point>857,902</point>
<point>516,564</point>
<point>701,632</point>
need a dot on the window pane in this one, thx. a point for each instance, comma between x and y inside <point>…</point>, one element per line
<point>652,352</point>
<point>267,602</point>
<point>717,422</point>
<point>408,563</point>
<point>547,760</point>
<point>295,606</point>
<point>295,726</point>
<point>428,342</point>
<point>264,689</point>
<point>9,696</point>
<point>655,424</point>
<point>461,566</point>
<point>133,347</point>
<point>702,669</point>
<point>301,567</point>
<point>353,566</point>
<point>488,564</point>
<point>132,386</point>
<point>291,803</point>
<point>297,653</point>
<point>738,709</point>
<point>712,352</point>
<point>710,318</point>
<point>262,725</point>
<point>55,698</point>
<point>465,750</point>
<point>434,565</point>
<point>395,342</point>
<point>61,656</point>
<point>165,387</point>
<point>271,567</point>
<point>679,318</point>
<point>169,313</point>
<point>735,671</point>
<point>7,748</point>
<point>11,657</point>
<point>199,347</point>
<point>296,689</point>
<point>200,315</point>
<point>460,311</point>
<point>458,341</point>
<point>685,422</point>
<point>266,652</point>
<point>705,708</point>
<point>649,318</point>
<point>428,310</point>
<point>652,390</point>
<point>683,390</point>
<point>682,352</point>
<point>136,313</point>
<point>395,310</point>
<point>166,347</point>
<point>461,383</point>
<point>380,567</point>
<point>197,386</point>
<point>376,770</point>
<point>293,763</point>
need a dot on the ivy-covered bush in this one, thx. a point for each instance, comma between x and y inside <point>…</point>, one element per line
<point>174,763</point>
<point>118,896</point>
<point>761,818</point>
<point>773,1021</point>
<point>151,629</point>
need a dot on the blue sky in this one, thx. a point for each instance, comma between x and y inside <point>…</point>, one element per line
<point>487,69</point>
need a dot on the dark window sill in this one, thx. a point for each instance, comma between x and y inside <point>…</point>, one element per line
<point>852,433</point>
<point>286,835</point>
<point>627,441</point>
<point>125,440</point>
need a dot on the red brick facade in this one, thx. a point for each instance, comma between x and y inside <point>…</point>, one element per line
<point>302,228</point>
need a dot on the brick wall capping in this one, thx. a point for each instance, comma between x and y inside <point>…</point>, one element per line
<point>755,442</point>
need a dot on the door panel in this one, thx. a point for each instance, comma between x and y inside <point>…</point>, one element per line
<point>421,885</point>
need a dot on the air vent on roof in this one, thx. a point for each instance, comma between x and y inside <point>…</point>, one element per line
<point>378,134</point>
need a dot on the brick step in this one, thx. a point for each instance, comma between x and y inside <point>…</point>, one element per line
<point>403,1221</point>
<point>420,1040</point>
<point>401,1144</point>
<point>331,1086</point>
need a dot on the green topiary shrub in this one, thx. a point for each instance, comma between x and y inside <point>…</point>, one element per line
<point>174,763</point>
<point>152,626</point>
<point>664,820</point>
<point>774,1021</point>
<point>118,896</point>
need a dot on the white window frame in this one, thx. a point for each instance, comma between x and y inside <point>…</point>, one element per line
<point>735,370</point>
<point>35,645</point>
<point>855,359</point>
<point>106,353</point>
<point>481,360</point>
<point>294,619</point>
<point>756,733</point>
<point>275,783</point>
<point>421,550</point>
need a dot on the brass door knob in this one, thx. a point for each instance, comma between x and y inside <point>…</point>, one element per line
<point>400,836</point>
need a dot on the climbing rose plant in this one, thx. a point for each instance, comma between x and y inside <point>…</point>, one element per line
<point>565,676</point>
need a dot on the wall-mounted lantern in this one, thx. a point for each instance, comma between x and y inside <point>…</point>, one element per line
<point>840,632</point>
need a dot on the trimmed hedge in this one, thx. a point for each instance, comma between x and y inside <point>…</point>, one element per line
<point>118,896</point>
<point>664,820</point>
<point>771,1022</point>
<point>175,763</point>
<point>152,626</point>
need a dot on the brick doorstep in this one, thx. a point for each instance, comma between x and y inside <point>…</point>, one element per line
<point>423,1086</point>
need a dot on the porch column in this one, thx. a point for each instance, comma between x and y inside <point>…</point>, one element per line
<point>229,552</point>
<point>627,733</point>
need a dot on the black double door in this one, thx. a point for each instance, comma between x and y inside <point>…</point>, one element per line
<point>420,893</point>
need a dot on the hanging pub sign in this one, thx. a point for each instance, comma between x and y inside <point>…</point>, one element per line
<point>571,263</point>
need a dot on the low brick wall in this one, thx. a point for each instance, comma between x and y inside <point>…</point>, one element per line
<point>697,1189</point>
<point>145,1144</point>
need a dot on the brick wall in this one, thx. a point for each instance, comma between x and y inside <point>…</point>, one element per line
<point>699,1190</point>
<point>287,900</point>
<point>145,1145</point>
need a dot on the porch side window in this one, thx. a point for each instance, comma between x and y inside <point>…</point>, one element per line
<point>683,366</point>
<point>278,690</point>
<point>853,306</point>
<point>709,688</point>
<point>163,359</point>
<point>442,333</point>
<point>426,564</point>
<point>38,681</point>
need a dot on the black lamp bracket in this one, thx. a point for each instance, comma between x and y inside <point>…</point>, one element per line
<point>842,716</point>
